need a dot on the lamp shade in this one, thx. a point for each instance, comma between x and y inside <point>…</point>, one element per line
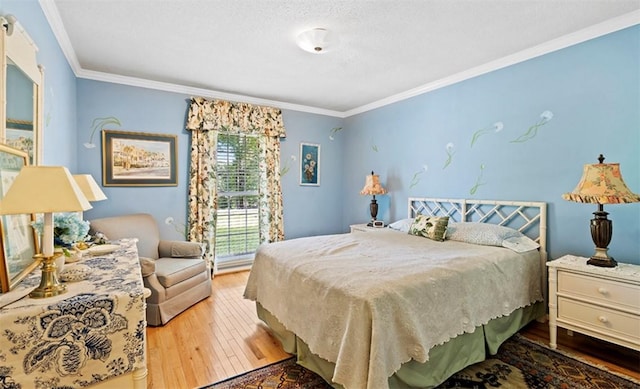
<point>602,183</point>
<point>372,185</point>
<point>89,187</point>
<point>43,189</point>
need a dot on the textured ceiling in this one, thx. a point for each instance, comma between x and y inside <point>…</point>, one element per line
<point>247,48</point>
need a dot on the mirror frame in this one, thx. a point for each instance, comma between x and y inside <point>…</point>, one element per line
<point>18,47</point>
<point>15,228</point>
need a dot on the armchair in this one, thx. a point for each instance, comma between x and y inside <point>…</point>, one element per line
<point>174,271</point>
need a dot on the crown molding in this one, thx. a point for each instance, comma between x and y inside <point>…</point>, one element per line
<point>53,17</point>
<point>200,92</point>
<point>591,32</point>
<point>612,25</point>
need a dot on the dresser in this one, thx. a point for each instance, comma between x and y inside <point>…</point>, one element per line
<point>91,336</point>
<point>597,301</point>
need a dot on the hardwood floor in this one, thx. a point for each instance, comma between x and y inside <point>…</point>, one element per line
<point>221,337</point>
<point>217,338</point>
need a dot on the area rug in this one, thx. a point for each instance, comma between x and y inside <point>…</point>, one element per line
<point>519,364</point>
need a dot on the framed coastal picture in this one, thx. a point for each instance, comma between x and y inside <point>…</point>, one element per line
<point>309,164</point>
<point>19,134</point>
<point>139,159</point>
<point>18,241</point>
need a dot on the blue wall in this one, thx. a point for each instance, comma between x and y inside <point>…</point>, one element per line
<point>308,210</point>
<point>591,89</point>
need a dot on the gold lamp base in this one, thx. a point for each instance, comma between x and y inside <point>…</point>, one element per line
<point>49,284</point>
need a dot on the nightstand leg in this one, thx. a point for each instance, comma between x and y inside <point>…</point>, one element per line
<point>553,332</point>
<point>553,307</point>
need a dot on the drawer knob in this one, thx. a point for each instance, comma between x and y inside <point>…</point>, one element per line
<point>603,319</point>
<point>602,290</point>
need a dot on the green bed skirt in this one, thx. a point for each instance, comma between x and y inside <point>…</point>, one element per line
<point>444,360</point>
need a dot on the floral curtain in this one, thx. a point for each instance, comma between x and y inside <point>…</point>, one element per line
<point>205,119</point>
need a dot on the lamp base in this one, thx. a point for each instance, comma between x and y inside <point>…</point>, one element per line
<point>373,208</point>
<point>602,262</point>
<point>601,232</point>
<point>49,284</point>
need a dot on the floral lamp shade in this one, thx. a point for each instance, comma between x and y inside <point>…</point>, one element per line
<point>601,183</point>
<point>372,187</point>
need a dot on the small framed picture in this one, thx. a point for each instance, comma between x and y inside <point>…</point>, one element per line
<point>309,164</point>
<point>139,159</point>
<point>19,134</point>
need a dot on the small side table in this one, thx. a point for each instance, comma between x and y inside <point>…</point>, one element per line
<point>359,228</point>
<point>364,228</point>
<point>602,302</point>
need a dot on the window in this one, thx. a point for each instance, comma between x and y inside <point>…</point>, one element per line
<point>237,233</point>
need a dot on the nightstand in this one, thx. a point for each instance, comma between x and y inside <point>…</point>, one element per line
<point>364,228</point>
<point>602,302</point>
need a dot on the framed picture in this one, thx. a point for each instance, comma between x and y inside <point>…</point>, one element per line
<point>139,159</point>
<point>18,243</point>
<point>19,134</point>
<point>309,164</point>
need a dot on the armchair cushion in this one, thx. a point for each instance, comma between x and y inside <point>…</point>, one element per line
<point>180,249</point>
<point>147,266</point>
<point>171,271</point>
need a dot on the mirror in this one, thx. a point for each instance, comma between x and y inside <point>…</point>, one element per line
<point>21,128</point>
<point>21,86</point>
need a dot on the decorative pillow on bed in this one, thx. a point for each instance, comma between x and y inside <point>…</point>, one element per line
<point>402,225</point>
<point>520,244</point>
<point>490,235</point>
<point>432,227</point>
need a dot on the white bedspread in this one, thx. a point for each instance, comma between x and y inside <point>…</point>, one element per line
<point>369,302</point>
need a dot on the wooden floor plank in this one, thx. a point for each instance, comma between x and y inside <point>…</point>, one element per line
<point>222,336</point>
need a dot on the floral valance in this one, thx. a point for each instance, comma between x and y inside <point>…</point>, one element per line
<point>208,115</point>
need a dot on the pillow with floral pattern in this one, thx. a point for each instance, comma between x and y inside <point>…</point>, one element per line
<point>432,227</point>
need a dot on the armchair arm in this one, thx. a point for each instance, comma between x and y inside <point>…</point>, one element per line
<point>180,249</point>
<point>147,266</point>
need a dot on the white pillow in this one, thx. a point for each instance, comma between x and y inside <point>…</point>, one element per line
<point>490,235</point>
<point>402,225</point>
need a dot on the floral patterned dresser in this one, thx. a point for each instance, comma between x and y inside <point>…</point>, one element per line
<point>91,336</point>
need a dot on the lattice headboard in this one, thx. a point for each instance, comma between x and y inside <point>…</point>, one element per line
<point>530,218</point>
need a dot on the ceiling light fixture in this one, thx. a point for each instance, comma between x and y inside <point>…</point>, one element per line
<point>317,40</point>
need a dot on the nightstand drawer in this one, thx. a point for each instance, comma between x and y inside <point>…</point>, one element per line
<point>610,293</point>
<point>619,324</point>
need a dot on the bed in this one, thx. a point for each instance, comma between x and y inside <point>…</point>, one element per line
<point>387,308</point>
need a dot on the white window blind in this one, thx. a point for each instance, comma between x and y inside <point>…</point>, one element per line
<point>238,158</point>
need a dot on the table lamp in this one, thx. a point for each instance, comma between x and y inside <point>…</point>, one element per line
<point>373,187</point>
<point>44,189</point>
<point>89,187</point>
<point>601,183</point>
